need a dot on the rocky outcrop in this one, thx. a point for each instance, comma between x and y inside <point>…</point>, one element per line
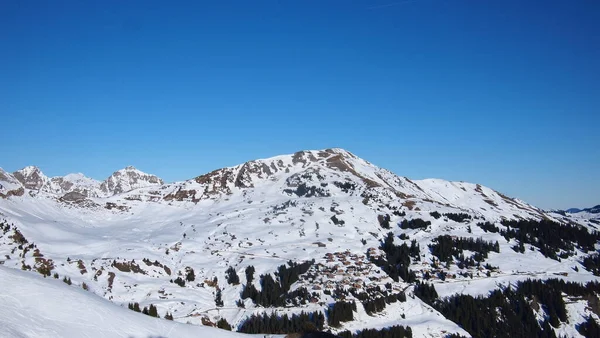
<point>128,179</point>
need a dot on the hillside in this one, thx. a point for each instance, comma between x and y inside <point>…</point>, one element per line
<point>36,307</point>
<point>290,234</point>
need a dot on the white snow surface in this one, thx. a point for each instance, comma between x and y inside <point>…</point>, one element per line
<point>36,307</point>
<point>263,213</point>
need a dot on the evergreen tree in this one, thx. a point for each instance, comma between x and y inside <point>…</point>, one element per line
<point>179,281</point>
<point>223,324</point>
<point>249,274</point>
<point>218,299</point>
<point>190,276</point>
<point>152,311</point>
<point>232,277</point>
<point>589,328</point>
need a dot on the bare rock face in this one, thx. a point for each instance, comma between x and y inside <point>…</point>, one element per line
<point>31,178</point>
<point>9,185</point>
<point>128,179</point>
<point>73,197</point>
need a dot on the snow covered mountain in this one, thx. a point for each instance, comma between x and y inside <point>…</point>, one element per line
<point>592,210</point>
<point>306,232</point>
<point>77,185</point>
<point>586,215</point>
<point>128,179</point>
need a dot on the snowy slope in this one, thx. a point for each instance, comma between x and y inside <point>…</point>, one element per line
<point>9,185</point>
<point>36,307</point>
<point>322,205</point>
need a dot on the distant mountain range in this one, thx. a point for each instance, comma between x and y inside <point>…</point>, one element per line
<point>592,210</point>
<point>319,235</point>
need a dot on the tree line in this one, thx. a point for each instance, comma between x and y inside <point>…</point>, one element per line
<point>276,324</point>
<point>510,312</point>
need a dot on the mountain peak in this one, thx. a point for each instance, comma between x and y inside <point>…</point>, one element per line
<point>28,170</point>
<point>31,177</point>
<point>128,178</point>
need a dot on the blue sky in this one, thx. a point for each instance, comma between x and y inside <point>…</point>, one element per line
<point>502,93</point>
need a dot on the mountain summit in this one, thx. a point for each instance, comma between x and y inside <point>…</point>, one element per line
<point>128,179</point>
<point>31,178</point>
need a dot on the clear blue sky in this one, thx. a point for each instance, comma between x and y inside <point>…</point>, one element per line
<point>505,93</point>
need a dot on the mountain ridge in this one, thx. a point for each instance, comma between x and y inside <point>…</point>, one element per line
<point>327,217</point>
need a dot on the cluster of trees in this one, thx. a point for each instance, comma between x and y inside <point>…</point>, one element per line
<point>341,311</point>
<point>592,264</point>
<point>270,295</point>
<point>435,214</point>
<point>337,221</point>
<point>510,312</point>
<point>307,191</point>
<point>488,227</point>
<point>384,221</point>
<point>276,292</point>
<point>374,299</point>
<point>396,331</point>
<point>416,223</point>
<point>458,217</point>
<point>397,259</point>
<point>275,324</point>
<point>374,305</point>
<point>149,311</point>
<point>399,213</point>
<point>551,237</point>
<point>232,276</point>
<point>445,247</point>
<point>223,324</point>
<point>589,328</point>
<point>346,186</point>
<point>426,292</point>
<point>290,275</point>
